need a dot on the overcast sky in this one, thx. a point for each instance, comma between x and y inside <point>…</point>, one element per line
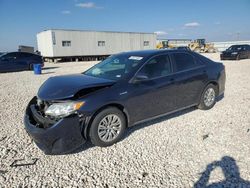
<point>215,20</point>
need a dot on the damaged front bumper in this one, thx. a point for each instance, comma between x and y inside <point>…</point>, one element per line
<point>63,136</point>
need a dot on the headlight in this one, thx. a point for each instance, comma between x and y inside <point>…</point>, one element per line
<point>63,109</point>
<point>234,53</point>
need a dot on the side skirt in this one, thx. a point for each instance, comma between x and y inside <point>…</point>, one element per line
<point>162,115</point>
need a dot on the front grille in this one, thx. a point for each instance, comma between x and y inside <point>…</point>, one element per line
<point>42,106</point>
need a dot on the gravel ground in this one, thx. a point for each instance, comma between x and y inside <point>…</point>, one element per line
<point>187,149</point>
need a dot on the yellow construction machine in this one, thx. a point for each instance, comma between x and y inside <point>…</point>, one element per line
<point>164,45</point>
<point>200,45</point>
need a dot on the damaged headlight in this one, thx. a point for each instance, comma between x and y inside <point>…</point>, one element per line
<point>60,110</point>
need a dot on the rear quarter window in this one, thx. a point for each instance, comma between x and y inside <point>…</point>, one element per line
<point>25,55</point>
<point>202,59</point>
<point>183,61</point>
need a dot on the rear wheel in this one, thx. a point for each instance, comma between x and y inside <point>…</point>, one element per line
<point>107,127</point>
<point>208,98</point>
<point>31,67</point>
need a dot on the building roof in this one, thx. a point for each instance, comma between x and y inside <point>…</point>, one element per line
<point>147,53</point>
<point>95,31</point>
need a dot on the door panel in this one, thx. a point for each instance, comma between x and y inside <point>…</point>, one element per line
<point>189,85</point>
<point>151,98</point>
<point>154,95</point>
<point>190,77</point>
<point>5,66</point>
<point>20,61</point>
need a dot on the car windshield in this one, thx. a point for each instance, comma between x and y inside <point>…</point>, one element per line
<point>115,67</point>
<point>237,48</point>
<point>2,54</point>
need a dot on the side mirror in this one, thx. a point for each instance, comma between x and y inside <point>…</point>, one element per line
<point>140,77</point>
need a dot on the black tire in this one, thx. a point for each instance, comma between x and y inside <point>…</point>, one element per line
<point>93,132</point>
<point>203,104</point>
<point>31,67</point>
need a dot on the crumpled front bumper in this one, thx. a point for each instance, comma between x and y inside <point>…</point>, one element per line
<point>62,137</point>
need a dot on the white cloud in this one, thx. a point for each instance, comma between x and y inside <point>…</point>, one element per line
<point>160,33</point>
<point>217,23</point>
<point>87,5</point>
<point>192,24</point>
<point>65,12</point>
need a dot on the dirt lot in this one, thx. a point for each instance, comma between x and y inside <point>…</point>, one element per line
<point>175,151</point>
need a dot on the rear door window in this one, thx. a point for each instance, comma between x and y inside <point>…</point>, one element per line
<point>24,55</point>
<point>157,67</point>
<point>183,61</point>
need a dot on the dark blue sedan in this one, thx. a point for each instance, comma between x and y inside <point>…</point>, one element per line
<point>121,91</point>
<point>18,61</point>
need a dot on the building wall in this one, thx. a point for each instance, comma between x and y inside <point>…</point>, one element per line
<point>85,43</point>
<point>221,46</point>
<point>28,49</point>
<point>44,43</point>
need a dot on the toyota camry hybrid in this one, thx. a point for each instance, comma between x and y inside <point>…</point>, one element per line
<point>123,90</point>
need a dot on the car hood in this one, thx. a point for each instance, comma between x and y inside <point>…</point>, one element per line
<point>63,87</point>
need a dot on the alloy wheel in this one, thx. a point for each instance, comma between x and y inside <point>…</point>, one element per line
<point>109,128</point>
<point>209,97</point>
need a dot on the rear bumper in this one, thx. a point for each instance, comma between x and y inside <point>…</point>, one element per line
<point>62,137</point>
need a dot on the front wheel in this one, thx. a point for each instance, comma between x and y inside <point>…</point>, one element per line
<point>208,98</point>
<point>107,127</point>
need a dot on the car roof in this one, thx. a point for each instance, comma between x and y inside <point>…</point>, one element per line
<point>20,52</point>
<point>24,53</point>
<point>148,53</point>
<point>240,45</point>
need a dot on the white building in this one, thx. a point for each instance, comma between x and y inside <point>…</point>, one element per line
<point>57,43</point>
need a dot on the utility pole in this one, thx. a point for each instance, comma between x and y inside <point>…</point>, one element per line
<point>238,36</point>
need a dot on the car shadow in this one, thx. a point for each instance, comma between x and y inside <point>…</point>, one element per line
<point>48,68</point>
<point>132,129</point>
<point>219,98</point>
<point>139,126</point>
<point>163,118</point>
<point>47,73</point>
<point>230,171</point>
